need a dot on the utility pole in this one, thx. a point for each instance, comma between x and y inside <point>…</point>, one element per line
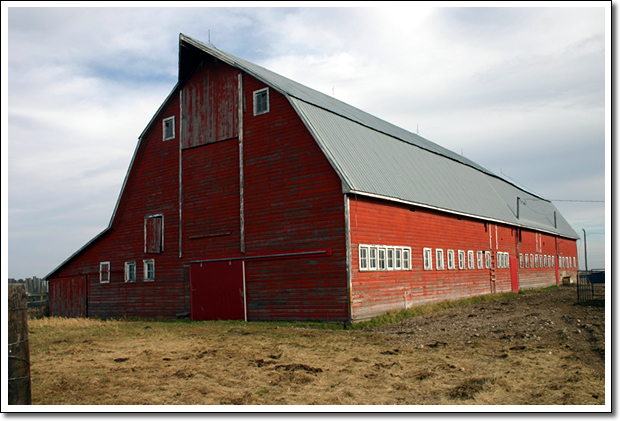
<point>585,247</point>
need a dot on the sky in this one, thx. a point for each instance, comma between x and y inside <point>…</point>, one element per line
<point>523,91</point>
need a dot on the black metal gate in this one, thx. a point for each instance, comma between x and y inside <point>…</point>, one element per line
<point>591,287</point>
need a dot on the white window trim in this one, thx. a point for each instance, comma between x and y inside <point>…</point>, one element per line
<point>390,260</point>
<point>372,266</point>
<point>254,95</point>
<point>428,258</point>
<point>479,260</point>
<point>487,260</point>
<point>398,258</point>
<point>101,273</point>
<point>406,265</point>
<point>381,263</point>
<point>462,260</point>
<point>439,263</point>
<point>128,265</point>
<point>470,259</point>
<point>363,260</point>
<point>145,270</point>
<point>450,258</point>
<point>163,128</point>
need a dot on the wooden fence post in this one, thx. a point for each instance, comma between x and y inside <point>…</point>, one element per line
<point>19,350</point>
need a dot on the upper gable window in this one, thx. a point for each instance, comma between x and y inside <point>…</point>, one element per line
<point>168,128</point>
<point>261,101</point>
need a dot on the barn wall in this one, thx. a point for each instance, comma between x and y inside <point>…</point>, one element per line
<point>375,222</point>
<point>293,202</point>
<point>152,188</point>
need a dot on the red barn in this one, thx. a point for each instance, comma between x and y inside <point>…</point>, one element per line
<point>253,197</point>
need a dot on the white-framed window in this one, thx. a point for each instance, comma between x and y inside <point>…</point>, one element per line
<point>499,260</point>
<point>487,259</point>
<point>381,262</point>
<point>521,260</point>
<point>398,259</point>
<point>545,260</point>
<point>372,258</point>
<point>470,259</point>
<point>552,261</point>
<point>104,272</point>
<point>261,101</point>
<point>439,259</point>
<point>149,269</point>
<point>130,271</point>
<point>479,259</point>
<point>450,257</point>
<point>531,260</point>
<point>428,259</point>
<point>406,258</point>
<point>390,258</point>
<point>574,262</point>
<point>461,259</point>
<point>527,260</point>
<point>506,260</point>
<point>168,128</point>
<point>363,257</point>
<point>535,260</point>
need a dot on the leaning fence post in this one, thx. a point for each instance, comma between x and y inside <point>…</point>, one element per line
<point>19,351</point>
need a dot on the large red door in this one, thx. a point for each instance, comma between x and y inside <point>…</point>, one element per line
<point>217,290</point>
<point>514,274</point>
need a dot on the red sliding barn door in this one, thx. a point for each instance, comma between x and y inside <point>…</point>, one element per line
<point>217,290</point>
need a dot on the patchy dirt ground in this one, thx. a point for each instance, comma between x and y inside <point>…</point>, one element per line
<point>539,348</point>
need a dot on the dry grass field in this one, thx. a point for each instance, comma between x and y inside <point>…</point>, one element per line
<point>534,349</point>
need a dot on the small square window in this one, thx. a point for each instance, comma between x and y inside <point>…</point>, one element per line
<point>149,270</point>
<point>104,272</point>
<point>461,259</point>
<point>428,259</point>
<point>363,258</point>
<point>439,259</point>
<point>130,271</point>
<point>168,128</point>
<point>261,101</point>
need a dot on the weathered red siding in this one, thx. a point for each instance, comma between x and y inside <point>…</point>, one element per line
<point>377,222</point>
<point>293,201</point>
<point>152,187</point>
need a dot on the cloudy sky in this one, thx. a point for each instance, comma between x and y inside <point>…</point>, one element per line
<point>521,91</point>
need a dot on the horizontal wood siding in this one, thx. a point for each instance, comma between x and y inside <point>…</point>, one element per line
<point>152,188</point>
<point>378,222</point>
<point>293,201</point>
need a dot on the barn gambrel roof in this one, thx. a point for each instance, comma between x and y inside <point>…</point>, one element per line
<point>378,159</point>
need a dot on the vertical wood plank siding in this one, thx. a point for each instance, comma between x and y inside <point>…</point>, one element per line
<point>383,223</point>
<point>210,104</point>
<point>293,201</point>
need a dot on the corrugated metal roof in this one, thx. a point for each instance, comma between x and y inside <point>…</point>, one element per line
<point>377,158</point>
